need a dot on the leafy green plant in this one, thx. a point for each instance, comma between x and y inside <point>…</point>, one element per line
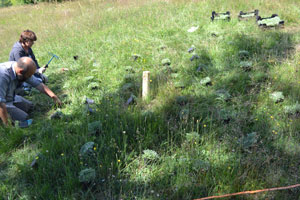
<point>87,175</point>
<point>277,97</point>
<point>192,137</point>
<point>87,149</point>
<point>150,155</point>
<point>94,127</point>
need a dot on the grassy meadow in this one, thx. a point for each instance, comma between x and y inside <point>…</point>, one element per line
<point>193,137</point>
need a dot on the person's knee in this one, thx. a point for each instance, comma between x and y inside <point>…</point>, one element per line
<point>23,104</point>
<point>17,114</point>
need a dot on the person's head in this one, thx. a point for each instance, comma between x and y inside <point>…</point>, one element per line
<point>25,68</point>
<point>27,38</point>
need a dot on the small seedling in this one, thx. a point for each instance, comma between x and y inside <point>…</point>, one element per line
<point>192,137</point>
<point>246,65</point>
<point>93,86</point>
<point>277,97</point>
<point>179,84</point>
<point>292,110</point>
<point>226,115</point>
<point>166,62</point>
<point>129,69</point>
<point>182,100</point>
<point>249,141</point>
<point>127,86</point>
<point>243,54</point>
<point>150,155</point>
<point>87,149</point>
<point>95,127</point>
<point>184,114</point>
<point>129,77</point>
<point>206,81</point>
<point>87,175</point>
<point>57,115</point>
<point>223,95</point>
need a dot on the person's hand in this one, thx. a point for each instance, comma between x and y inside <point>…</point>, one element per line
<point>42,69</point>
<point>57,101</point>
<point>64,69</point>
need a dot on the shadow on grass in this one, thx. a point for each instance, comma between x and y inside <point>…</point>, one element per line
<point>127,130</point>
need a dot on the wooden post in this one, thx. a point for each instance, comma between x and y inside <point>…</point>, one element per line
<point>146,84</point>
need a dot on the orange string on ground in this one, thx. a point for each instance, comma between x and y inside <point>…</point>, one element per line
<point>250,192</point>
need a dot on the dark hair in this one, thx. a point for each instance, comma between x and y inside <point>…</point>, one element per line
<point>27,35</point>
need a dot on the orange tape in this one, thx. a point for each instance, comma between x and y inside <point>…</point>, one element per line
<point>250,192</point>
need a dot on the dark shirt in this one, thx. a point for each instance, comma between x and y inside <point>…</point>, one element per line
<point>18,51</point>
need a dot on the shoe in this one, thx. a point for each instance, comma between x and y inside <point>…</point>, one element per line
<point>24,124</point>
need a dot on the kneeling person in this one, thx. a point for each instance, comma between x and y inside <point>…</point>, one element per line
<point>12,75</point>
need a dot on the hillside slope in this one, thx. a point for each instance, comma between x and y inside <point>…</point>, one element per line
<point>212,124</point>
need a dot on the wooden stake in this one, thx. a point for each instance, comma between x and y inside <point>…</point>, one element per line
<point>146,84</point>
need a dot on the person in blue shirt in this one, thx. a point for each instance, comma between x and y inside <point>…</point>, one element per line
<point>22,48</point>
<point>13,74</point>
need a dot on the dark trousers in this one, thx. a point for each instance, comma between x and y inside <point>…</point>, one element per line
<point>19,108</point>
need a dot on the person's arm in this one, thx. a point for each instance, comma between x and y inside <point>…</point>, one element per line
<point>16,54</point>
<point>39,69</point>
<point>3,113</point>
<point>44,89</point>
<point>33,58</point>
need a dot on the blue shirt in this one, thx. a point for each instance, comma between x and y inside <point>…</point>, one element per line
<point>9,82</point>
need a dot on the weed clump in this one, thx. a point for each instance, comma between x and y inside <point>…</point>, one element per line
<point>243,54</point>
<point>87,149</point>
<point>223,95</point>
<point>87,175</point>
<point>277,97</point>
<point>93,86</point>
<point>150,155</point>
<point>206,81</point>
<point>192,137</point>
<point>248,141</point>
<point>166,62</point>
<point>246,65</point>
<point>292,110</point>
<point>95,127</point>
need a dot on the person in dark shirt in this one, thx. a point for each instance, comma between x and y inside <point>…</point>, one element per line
<point>22,48</point>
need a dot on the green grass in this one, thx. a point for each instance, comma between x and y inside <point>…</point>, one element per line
<point>202,143</point>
